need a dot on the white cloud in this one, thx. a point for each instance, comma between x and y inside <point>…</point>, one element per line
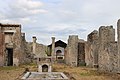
<point>21,11</point>
<point>18,21</point>
<point>27,7</point>
<point>37,11</point>
<point>6,21</point>
<point>29,4</point>
<point>1,16</point>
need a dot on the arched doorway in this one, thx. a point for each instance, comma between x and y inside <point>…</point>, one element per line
<point>45,68</point>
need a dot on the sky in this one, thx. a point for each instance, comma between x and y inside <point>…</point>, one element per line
<point>59,18</point>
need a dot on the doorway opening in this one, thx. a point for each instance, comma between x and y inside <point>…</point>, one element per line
<point>9,56</point>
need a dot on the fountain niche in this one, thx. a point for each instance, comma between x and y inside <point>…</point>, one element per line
<point>44,71</point>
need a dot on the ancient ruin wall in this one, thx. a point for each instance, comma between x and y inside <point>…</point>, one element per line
<point>15,41</point>
<point>107,58</point>
<point>72,50</point>
<point>2,48</point>
<point>18,55</point>
<point>13,32</point>
<point>118,32</point>
<point>26,49</point>
<point>38,49</point>
<point>91,49</point>
<point>41,50</point>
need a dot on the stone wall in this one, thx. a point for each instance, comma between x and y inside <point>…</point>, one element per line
<point>91,49</point>
<point>1,49</point>
<point>102,50</point>
<point>12,40</point>
<point>17,49</point>
<point>39,50</point>
<point>108,49</point>
<point>27,50</point>
<point>108,58</point>
<point>72,50</point>
<point>118,32</point>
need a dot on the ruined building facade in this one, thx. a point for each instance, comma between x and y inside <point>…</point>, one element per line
<point>108,49</point>
<point>11,45</point>
<point>75,55</point>
<point>102,51</point>
<point>91,49</point>
<point>14,49</point>
<point>38,50</point>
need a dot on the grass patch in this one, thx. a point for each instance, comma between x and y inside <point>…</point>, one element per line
<point>8,68</point>
<point>74,73</point>
<point>29,64</point>
<point>89,73</point>
<point>85,74</point>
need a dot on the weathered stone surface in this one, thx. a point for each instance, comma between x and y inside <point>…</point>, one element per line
<point>12,40</point>
<point>26,49</point>
<point>41,50</point>
<point>91,49</point>
<point>72,50</point>
<point>102,50</point>
<point>108,49</point>
<point>36,49</point>
<point>53,47</point>
<point>106,34</point>
<point>1,49</point>
<point>118,32</point>
<point>34,45</point>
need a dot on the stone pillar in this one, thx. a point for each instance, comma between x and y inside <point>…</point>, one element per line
<point>118,33</point>
<point>17,47</point>
<point>2,48</point>
<point>72,50</point>
<point>53,47</point>
<point>107,49</point>
<point>91,49</point>
<point>34,44</point>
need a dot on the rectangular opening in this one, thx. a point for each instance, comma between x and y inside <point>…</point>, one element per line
<point>60,57</point>
<point>9,57</point>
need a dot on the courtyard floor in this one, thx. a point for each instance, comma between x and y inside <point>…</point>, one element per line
<point>74,73</point>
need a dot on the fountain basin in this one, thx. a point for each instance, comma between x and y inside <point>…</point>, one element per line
<point>44,76</point>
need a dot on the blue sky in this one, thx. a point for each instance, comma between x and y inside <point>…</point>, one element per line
<point>59,18</point>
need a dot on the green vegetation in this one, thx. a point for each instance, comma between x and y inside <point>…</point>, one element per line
<point>8,68</point>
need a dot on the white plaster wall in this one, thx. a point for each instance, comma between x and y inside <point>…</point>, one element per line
<point>15,62</point>
<point>40,67</point>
